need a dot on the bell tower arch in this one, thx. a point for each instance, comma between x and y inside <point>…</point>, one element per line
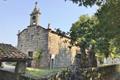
<point>34,16</point>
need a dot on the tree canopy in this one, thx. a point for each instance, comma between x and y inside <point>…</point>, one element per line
<point>88,2</point>
<point>109,18</point>
<point>84,29</point>
<point>106,34</point>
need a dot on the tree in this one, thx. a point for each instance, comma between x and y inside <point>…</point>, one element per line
<point>108,15</point>
<point>88,2</point>
<point>37,57</point>
<point>60,32</point>
<point>109,18</point>
<point>84,32</point>
<point>109,25</point>
<point>108,30</point>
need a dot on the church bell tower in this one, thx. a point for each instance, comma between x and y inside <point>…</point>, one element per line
<point>34,16</point>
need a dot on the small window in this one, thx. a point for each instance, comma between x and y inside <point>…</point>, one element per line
<point>30,54</point>
<point>29,63</point>
<point>34,17</point>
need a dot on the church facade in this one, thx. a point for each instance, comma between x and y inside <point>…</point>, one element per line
<point>56,49</point>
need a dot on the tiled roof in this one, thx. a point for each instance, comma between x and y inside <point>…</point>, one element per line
<point>52,31</point>
<point>10,53</point>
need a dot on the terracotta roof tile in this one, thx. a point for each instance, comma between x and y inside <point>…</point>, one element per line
<point>8,52</point>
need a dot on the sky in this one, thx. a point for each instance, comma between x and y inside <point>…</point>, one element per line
<point>15,15</point>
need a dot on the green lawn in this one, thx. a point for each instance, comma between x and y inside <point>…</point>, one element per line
<point>42,72</point>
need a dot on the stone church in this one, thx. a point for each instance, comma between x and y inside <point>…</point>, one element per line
<point>56,49</point>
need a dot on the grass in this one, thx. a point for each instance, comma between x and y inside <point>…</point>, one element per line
<point>42,72</point>
<point>39,73</point>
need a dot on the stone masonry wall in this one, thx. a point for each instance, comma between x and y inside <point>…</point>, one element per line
<point>6,75</point>
<point>33,38</point>
<point>50,43</point>
<point>60,47</point>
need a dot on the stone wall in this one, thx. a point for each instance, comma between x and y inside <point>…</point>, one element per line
<point>111,60</point>
<point>33,38</point>
<point>110,72</point>
<point>6,75</point>
<point>50,43</point>
<point>60,47</point>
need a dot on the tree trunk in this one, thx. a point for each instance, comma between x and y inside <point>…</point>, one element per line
<point>91,57</point>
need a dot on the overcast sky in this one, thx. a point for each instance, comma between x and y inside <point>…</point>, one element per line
<point>14,16</point>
